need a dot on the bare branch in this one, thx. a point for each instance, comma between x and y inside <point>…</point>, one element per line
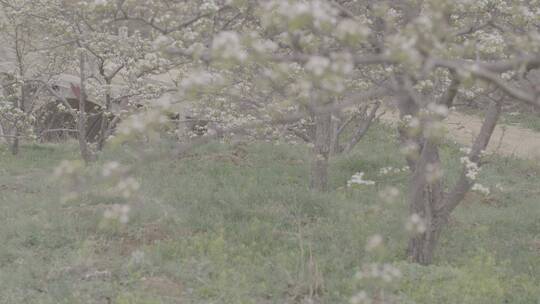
<point>464,184</point>
<point>363,128</point>
<point>479,71</point>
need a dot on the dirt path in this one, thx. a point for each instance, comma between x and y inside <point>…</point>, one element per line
<point>506,140</point>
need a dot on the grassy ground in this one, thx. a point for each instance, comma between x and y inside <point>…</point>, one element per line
<point>236,224</point>
<point>524,120</point>
<point>516,117</point>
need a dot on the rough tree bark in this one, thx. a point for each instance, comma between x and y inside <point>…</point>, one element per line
<point>16,132</point>
<point>322,147</point>
<point>335,146</point>
<point>102,136</point>
<point>81,121</point>
<point>426,195</point>
<point>105,128</point>
<point>363,127</point>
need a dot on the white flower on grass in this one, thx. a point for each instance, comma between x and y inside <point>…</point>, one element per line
<point>480,189</point>
<point>358,179</point>
<point>392,170</point>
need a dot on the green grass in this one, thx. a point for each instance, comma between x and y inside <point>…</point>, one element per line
<point>237,224</point>
<point>522,119</point>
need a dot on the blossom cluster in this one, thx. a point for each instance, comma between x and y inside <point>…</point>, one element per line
<point>471,168</point>
<point>227,45</point>
<point>439,110</point>
<point>490,43</point>
<point>416,224</point>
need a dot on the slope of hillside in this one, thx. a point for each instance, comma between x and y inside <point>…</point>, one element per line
<point>237,224</point>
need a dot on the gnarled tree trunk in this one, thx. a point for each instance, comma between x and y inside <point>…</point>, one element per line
<point>104,127</point>
<point>322,147</point>
<point>425,195</point>
<point>427,198</point>
<point>16,132</point>
<point>82,118</point>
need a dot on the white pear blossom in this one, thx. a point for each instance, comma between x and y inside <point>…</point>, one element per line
<point>438,109</point>
<point>415,224</point>
<point>490,43</point>
<point>317,65</point>
<point>227,45</point>
<point>471,168</point>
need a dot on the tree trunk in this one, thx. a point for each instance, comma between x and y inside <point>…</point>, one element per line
<point>427,199</point>
<point>365,122</point>
<point>15,143</point>
<point>426,193</point>
<point>104,128</point>
<point>335,146</point>
<point>16,132</point>
<point>81,122</point>
<point>323,142</point>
